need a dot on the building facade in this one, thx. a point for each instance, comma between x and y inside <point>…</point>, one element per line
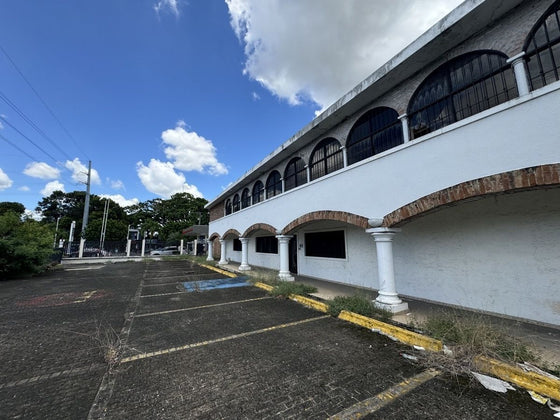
<point>435,178</point>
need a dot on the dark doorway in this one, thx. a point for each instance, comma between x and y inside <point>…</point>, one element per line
<point>293,255</point>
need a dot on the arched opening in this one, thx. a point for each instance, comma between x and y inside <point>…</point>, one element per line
<point>245,198</point>
<point>295,174</point>
<point>258,192</point>
<point>273,184</point>
<point>236,203</point>
<point>326,158</point>
<point>228,206</point>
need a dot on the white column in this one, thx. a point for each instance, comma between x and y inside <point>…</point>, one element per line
<point>244,254</point>
<point>284,255</point>
<point>518,64</point>
<point>128,246</point>
<point>222,252</point>
<point>143,247</point>
<point>308,171</point>
<point>404,122</point>
<point>81,251</point>
<point>344,155</point>
<point>181,247</point>
<point>283,184</point>
<point>210,256</point>
<point>387,297</point>
<point>195,247</point>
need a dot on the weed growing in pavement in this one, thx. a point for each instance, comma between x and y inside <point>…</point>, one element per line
<point>469,336</point>
<point>287,288</point>
<point>200,260</point>
<point>357,304</point>
<point>110,344</point>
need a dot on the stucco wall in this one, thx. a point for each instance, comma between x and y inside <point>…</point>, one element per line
<point>499,254</point>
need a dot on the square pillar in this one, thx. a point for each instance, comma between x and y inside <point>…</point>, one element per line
<point>387,298</point>
<point>244,254</point>
<point>222,252</point>
<point>284,254</point>
<point>210,256</point>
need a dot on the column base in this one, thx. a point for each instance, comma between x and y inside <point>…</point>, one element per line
<point>286,276</point>
<point>394,308</point>
<point>222,262</point>
<point>244,267</point>
<point>209,259</point>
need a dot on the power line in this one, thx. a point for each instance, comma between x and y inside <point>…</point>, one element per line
<point>43,102</point>
<point>18,148</point>
<point>31,123</point>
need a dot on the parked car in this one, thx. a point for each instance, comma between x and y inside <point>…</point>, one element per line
<point>168,250</point>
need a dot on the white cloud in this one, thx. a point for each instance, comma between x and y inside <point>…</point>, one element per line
<point>161,178</point>
<point>5,181</point>
<point>41,170</point>
<point>116,184</point>
<point>255,96</point>
<point>190,152</point>
<point>52,187</point>
<point>171,6</point>
<point>320,49</point>
<point>23,188</point>
<point>120,200</point>
<point>32,214</point>
<point>79,172</point>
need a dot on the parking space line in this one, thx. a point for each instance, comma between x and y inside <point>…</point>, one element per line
<point>202,307</point>
<point>385,398</point>
<point>62,373</point>
<point>165,294</point>
<point>219,340</point>
<point>162,284</point>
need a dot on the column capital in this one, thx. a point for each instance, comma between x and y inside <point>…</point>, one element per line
<point>403,116</point>
<point>516,58</point>
<point>222,240</point>
<point>383,230</point>
<point>244,240</point>
<point>284,237</point>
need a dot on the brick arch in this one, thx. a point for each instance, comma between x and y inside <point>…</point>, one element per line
<point>339,216</point>
<point>214,236</point>
<point>259,226</point>
<point>229,232</point>
<point>511,181</point>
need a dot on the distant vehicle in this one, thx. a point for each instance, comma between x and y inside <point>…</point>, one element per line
<point>168,250</point>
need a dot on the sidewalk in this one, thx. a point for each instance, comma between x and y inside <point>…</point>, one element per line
<point>544,339</point>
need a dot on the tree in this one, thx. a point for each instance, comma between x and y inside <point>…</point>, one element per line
<point>14,207</point>
<point>25,245</point>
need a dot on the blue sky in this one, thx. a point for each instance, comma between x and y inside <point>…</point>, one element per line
<point>166,96</point>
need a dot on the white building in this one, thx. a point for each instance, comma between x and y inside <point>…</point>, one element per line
<point>435,178</point>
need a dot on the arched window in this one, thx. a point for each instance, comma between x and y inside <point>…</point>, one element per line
<point>258,192</point>
<point>295,174</point>
<point>543,49</point>
<point>236,203</point>
<point>326,158</point>
<point>376,131</point>
<point>462,87</point>
<point>245,198</point>
<point>273,184</point>
<point>228,206</point>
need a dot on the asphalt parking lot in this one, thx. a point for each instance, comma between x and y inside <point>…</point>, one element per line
<point>231,352</point>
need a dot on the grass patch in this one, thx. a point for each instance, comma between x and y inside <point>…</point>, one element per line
<point>359,305</point>
<point>469,336</point>
<point>287,288</point>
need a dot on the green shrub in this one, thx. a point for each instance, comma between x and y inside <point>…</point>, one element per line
<point>359,305</point>
<point>25,246</point>
<point>287,288</point>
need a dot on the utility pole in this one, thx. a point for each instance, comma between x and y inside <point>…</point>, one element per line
<point>86,213</point>
<point>104,225</point>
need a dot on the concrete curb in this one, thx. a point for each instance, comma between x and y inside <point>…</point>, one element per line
<point>264,286</point>
<point>219,270</point>
<point>311,303</point>
<point>532,381</point>
<point>400,334</point>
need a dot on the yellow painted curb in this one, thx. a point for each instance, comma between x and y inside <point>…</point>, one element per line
<point>264,286</point>
<point>224,272</point>
<point>402,335</point>
<point>318,306</point>
<point>529,380</point>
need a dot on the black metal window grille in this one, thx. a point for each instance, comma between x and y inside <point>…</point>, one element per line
<point>245,198</point>
<point>236,204</point>
<point>460,88</point>
<point>543,49</point>
<point>236,244</point>
<point>267,244</point>
<point>376,131</point>
<point>228,206</point>
<point>273,184</point>
<point>295,174</point>
<point>330,244</point>
<point>258,192</point>
<point>327,157</point>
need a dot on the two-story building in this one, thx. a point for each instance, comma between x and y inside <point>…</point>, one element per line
<point>435,178</point>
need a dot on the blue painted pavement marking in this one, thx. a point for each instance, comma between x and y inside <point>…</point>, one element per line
<point>224,283</point>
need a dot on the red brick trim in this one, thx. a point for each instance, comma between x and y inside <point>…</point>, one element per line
<point>214,236</point>
<point>339,216</point>
<point>231,232</point>
<point>517,180</point>
<point>259,226</point>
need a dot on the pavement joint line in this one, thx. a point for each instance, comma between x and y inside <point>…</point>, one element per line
<point>201,307</point>
<point>375,403</point>
<point>219,340</point>
<point>219,270</point>
<point>164,294</point>
<point>39,378</point>
<point>161,284</point>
